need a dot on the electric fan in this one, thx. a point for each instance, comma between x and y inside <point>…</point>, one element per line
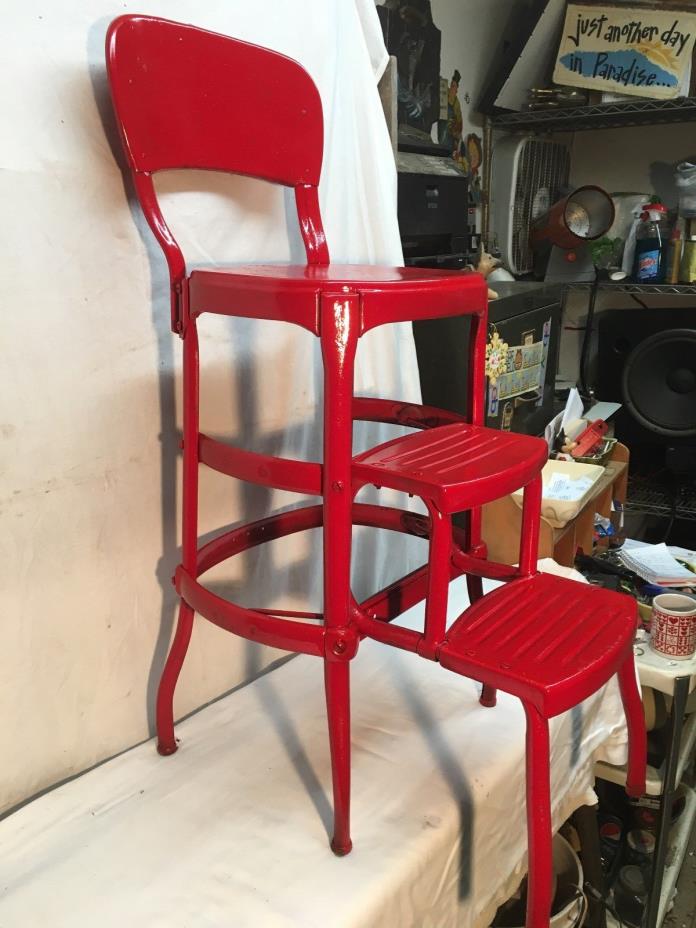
<point>528,177</point>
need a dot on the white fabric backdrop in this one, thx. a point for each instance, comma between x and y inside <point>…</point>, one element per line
<point>232,830</point>
<point>90,372</point>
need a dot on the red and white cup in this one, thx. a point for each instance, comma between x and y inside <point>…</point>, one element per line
<point>673,628</point>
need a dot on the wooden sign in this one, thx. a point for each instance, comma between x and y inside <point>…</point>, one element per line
<point>618,49</point>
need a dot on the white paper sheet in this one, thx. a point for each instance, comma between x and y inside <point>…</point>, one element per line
<point>602,411</point>
<point>655,564</point>
<point>566,420</point>
<point>231,832</point>
<point>563,487</point>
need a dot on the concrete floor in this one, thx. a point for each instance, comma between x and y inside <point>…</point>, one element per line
<point>683,915</point>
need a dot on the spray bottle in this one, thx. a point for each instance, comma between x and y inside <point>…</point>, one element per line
<point>651,245</point>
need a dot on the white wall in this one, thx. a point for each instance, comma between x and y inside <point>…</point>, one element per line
<point>470,36</point>
<point>634,159</point>
<point>88,426</point>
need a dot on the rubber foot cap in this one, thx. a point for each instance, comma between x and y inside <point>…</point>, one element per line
<point>341,850</point>
<point>166,749</point>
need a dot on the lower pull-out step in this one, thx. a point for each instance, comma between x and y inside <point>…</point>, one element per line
<point>542,638</point>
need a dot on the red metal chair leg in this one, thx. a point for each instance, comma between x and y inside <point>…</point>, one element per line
<point>489,694</point>
<point>337,683</point>
<point>166,742</point>
<point>539,832</point>
<point>529,534</point>
<point>474,587</point>
<point>439,573</point>
<point>635,722</point>
<point>340,313</point>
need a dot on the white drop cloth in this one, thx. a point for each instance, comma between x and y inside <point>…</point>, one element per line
<point>79,245</point>
<point>89,383</point>
<point>231,832</point>
<point>219,219</point>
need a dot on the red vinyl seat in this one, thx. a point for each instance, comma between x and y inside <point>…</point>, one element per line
<point>290,293</point>
<point>546,640</point>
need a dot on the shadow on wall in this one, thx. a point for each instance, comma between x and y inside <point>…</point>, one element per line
<point>159,308</point>
<point>255,500</point>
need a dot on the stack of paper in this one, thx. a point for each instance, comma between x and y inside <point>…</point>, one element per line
<point>564,487</point>
<point>655,564</point>
<point>684,555</point>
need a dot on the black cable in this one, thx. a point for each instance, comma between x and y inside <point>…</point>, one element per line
<point>585,351</point>
<point>672,515</point>
<point>639,302</point>
<point>603,901</point>
<point>585,388</point>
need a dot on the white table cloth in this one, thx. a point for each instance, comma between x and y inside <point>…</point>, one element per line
<point>231,832</point>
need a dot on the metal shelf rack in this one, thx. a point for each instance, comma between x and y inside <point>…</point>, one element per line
<point>678,844</point>
<point>600,116</point>
<point>630,287</point>
<point>655,779</point>
<point>642,497</point>
<point>676,679</point>
<point>652,499</point>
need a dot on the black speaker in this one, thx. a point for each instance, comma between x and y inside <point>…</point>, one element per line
<point>647,362</point>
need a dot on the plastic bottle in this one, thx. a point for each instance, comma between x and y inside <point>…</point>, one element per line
<point>686,186</point>
<point>651,245</point>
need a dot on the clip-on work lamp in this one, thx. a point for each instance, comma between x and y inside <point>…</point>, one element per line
<point>560,238</point>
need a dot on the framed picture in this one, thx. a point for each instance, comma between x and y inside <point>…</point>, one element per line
<point>635,50</point>
<point>414,40</point>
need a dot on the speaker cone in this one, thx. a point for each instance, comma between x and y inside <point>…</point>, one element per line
<point>659,383</point>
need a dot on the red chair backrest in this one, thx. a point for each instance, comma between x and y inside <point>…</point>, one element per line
<point>188,98</point>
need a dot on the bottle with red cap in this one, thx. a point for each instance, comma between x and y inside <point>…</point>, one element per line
<point>652,239</point>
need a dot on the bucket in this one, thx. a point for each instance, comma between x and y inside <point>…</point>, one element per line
<point>569,902</point>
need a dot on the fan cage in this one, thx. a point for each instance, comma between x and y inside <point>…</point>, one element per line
<point>542,176</point>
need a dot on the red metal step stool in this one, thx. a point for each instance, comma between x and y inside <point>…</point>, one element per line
<point>548,641</point>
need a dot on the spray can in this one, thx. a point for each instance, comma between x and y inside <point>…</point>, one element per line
<point>687,271</point>
<point>674,253</point>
